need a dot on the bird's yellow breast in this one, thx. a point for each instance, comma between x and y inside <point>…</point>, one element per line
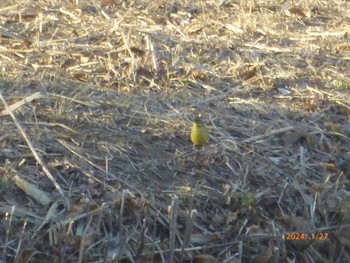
<point>199,134</point>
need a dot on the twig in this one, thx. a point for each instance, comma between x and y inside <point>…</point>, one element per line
<point>142,240</point>
<point>52,124</point>
<point>88,104</point>
<point>33,191</point>
<point>83,239</point>
<point>8,229</point>
<point>173,228</point>
<point>217,97</point>
<point>31,147</point>
<point>154,55</point>
<point>188,228</point>
<point>20,103</point>
<point>68,147</point>
<point>122,242</point>
<point>20,240</point>
<point>268,134</point>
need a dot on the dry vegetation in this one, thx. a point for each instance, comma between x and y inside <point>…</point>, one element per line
<point>95,160</point>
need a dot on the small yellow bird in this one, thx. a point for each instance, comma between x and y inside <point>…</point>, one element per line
<point>199,133</point>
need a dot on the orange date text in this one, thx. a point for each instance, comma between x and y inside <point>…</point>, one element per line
<point>306,236</point>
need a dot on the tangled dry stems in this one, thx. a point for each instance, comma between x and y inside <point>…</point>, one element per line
<point>118,84</point>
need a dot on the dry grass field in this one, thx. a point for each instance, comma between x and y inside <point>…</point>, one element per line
<point>97,100</point>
